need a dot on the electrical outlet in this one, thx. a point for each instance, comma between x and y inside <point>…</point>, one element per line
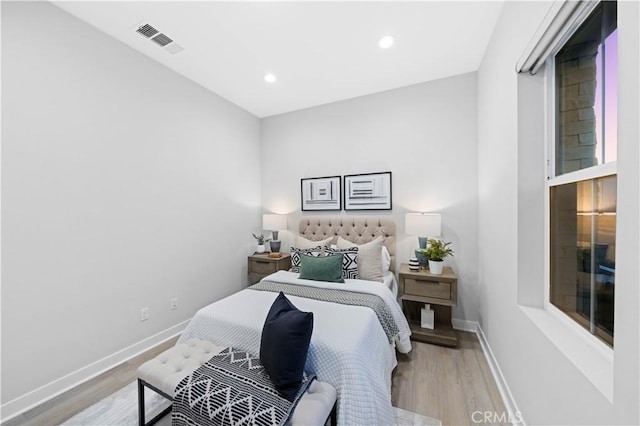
<point>174,303</point>
<point>144,314</point>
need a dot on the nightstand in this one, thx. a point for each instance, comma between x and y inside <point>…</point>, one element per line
<point>440,291</point>
<point>260,265</point>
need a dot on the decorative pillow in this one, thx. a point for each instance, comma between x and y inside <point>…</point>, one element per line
<point>303,243</point>
<point>327,268</point>
<point>349,260</point>
<point>284,345</point>
<point>369,258</point>
<point>297,253</point>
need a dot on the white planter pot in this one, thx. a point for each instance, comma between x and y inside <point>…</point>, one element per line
<point>435,267</point>
<point>260,248</point>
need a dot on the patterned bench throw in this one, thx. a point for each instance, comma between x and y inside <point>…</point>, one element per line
<point>344,297</point>
<point>232,388</point>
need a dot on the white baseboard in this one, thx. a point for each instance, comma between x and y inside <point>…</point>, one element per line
<point>464,325</point>
<point>46,392</point>
<point>514,415</point>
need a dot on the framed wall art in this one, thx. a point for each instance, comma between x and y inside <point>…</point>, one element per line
<point>370,191</point>
<point>323,193</point>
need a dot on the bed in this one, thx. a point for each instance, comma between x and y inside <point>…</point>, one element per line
<point>349,347</point>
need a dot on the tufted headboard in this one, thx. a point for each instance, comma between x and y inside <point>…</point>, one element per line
<point>358,230</point>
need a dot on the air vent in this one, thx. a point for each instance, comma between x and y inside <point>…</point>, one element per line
<point>161,39</point>
<point>147,30</point>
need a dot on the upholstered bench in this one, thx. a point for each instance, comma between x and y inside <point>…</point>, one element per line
<point>163,373</point>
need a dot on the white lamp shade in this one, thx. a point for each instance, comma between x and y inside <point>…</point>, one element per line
<point>274,222</point>
<point>423,224</point>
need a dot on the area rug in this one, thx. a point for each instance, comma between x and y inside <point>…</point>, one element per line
<point>121,409</point>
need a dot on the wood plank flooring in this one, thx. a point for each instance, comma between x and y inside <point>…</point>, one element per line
<point>443,383</point>
<point>70,403</point>
<point>447,383</point>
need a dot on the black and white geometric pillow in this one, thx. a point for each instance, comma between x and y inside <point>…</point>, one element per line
<point>296,253</point>
<point>349,260</point>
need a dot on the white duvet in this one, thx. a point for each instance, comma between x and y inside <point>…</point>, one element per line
<point>348,349</point>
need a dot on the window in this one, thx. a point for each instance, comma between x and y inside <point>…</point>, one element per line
<point>582,182</point>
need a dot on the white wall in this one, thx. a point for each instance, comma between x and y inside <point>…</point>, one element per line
<point>123,185</point>
<point>425,134</point>
<point>547,385</point>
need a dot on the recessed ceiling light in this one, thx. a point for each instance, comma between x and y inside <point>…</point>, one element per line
<point>269,78</point>
<point>386,42</point>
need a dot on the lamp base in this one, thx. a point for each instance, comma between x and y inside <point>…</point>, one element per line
<point>423,260</point>
<point>422,241</point>
<point>275,246</point>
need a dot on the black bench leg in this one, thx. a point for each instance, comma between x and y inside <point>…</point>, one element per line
<point>334,415</point>
<point>141,415</point>
<point>140,403</point>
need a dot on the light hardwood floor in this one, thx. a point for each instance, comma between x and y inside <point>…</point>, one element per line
<point>443,383</point>
<point>70,403</point>
<point>447,384</point>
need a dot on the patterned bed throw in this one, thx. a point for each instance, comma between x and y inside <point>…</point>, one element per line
<point>344,297</point>
<point>232,388</point>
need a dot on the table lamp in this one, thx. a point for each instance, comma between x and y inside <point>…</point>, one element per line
<point>274,223</point>
<point>424,225</point>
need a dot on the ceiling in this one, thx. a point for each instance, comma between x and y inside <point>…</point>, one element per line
<point>320,52</point>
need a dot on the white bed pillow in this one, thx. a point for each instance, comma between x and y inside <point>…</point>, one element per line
<point>369,258</point>
<point>303,243</point>
<point>386,260</point>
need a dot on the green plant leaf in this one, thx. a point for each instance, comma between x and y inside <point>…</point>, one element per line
<point>438,250</point>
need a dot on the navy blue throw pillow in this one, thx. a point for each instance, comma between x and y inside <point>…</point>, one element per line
<point>285,342</point>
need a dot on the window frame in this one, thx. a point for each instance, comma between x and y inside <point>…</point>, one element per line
<point>552,180</point>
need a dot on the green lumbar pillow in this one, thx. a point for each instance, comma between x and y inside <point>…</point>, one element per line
<point>322,268</point>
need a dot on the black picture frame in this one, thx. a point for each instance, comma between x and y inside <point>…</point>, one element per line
<point>368,191</point>
<point>321,194</point>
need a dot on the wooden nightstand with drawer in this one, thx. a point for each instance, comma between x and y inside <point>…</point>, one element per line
<point>440,291</point>
<point>260,265</point>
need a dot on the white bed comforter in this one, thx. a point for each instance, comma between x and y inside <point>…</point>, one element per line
<point>348,349</point>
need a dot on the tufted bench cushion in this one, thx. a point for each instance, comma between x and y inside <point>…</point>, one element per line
<point>316,405</point>
<point>164,372</point>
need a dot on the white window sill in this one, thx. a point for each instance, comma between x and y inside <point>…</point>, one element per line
<point>593,358</point>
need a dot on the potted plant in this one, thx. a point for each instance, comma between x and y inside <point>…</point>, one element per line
<point>261,240</point>
<point>437,251</point>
